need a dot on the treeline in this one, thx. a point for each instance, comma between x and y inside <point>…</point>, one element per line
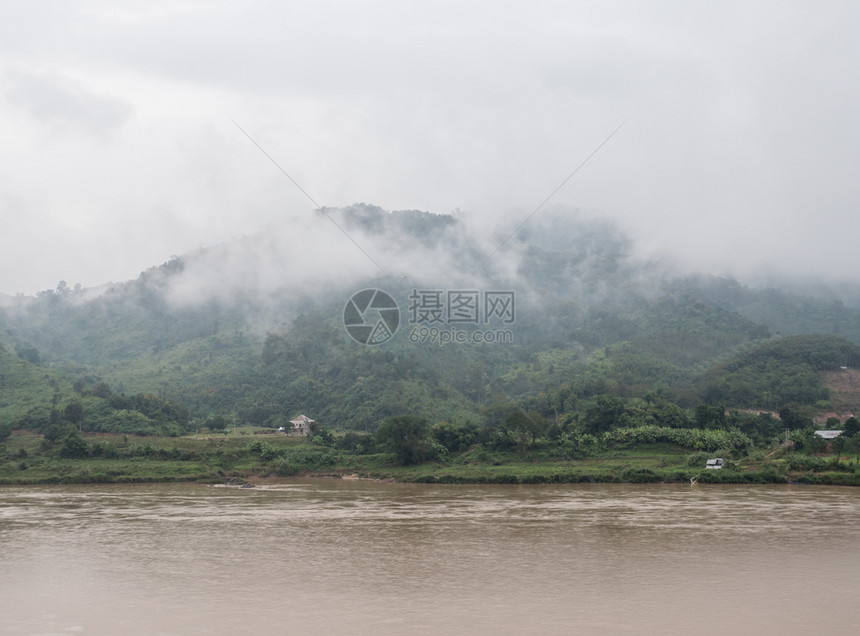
<point>100,410</point>
<point>414,440</point>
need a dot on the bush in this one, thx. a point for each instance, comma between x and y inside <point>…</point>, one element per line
<point>454,438</point>
<point>323,437</point>
<point>577,445</point>
<point>498,439</point>
<point>73,445</point>
<point>55,432</point>
<point>805,462</point>
<point>698,459</point>
<point>357,443</point>
<point>640,476</point>
<point>265,450</point>
<point>407,437</point>
<point>703,440</point>
<point>284,468</point>
<point>104,449</point>
<point>770,475</point>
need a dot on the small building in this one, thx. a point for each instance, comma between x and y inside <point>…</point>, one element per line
<point>715,464</point>
<point>301,425</point>
<point>828,434</point>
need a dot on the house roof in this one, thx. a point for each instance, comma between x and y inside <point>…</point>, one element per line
<point>828,434</point>
<point>302,419</point>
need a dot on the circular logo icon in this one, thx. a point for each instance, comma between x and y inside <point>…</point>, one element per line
<point>371,316</point>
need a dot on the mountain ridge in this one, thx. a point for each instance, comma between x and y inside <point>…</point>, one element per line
<point>253,329</point>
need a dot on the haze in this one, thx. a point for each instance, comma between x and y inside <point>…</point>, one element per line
<point>739,154</point>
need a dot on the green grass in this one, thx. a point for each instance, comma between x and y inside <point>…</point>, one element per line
<point>28,459</point>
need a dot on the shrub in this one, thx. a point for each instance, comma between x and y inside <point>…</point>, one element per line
<point>104,448</point>
<point>454,438</point>
<point>265,450</point>
<point>55,432</point>
<point>805,462</point>
<point>73,445</point>
<point>640,476</point>
<point>358,443</point>
<point>284,468</point>
<point>698,459</point>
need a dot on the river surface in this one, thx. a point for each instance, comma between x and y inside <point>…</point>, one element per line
<point>358,557</point>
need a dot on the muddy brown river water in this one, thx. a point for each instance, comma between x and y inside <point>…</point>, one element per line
<point>357,557</point>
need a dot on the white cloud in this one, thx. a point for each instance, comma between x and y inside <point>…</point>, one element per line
<point>740,154</point>
<point>62,103</point>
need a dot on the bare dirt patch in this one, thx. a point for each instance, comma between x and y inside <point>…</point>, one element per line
<point>844,388</point>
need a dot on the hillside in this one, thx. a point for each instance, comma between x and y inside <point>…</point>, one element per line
<point>778,372</point>
<point>844,388</point>
<point>26,388</point>
<point>253,332</point>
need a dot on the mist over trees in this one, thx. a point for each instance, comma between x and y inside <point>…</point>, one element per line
<point>252,332</point>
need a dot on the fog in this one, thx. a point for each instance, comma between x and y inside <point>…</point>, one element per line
<point>739,153</point>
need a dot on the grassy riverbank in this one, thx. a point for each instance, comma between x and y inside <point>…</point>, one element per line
<point>245,456</point>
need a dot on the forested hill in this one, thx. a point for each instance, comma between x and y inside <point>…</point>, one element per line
<point>778,372</point>
<point>253,331</point>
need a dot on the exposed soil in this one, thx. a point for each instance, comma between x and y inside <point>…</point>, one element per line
<point>844,388</point>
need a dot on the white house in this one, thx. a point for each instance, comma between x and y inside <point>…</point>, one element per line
<point>301,425</point>
<point>715,464</point>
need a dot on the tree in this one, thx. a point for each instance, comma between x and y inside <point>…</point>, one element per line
<point>56,431</point>
<point>605,415</point>
<point>29,353</point>
<point>73,445</point>
<point>407,437</point>
<point>358,443</point>
<point>5,432</point>
<point>795,417</point>
<point>852,447</point>
<point>217,423</point>
<point>666,413</point>
<point>324,437</point>
<point>708,416</point>
<point>454,438</point>
<point>518,427</point>
<point>838,445</point>
<point>74,413</point>
<point>851,427</point>
<point>102,390</point>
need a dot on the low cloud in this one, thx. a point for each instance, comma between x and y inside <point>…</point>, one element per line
<point>64,103</point>
<point>739,156</point>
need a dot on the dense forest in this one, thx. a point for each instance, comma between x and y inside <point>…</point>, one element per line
<point>599,342</point>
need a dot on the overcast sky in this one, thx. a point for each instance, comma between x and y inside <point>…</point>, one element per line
<point>740,152</point>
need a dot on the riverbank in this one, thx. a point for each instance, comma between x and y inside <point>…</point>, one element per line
<point>29,459</point>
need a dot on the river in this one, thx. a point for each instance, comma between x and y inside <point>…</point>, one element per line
<point>358,557</point>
